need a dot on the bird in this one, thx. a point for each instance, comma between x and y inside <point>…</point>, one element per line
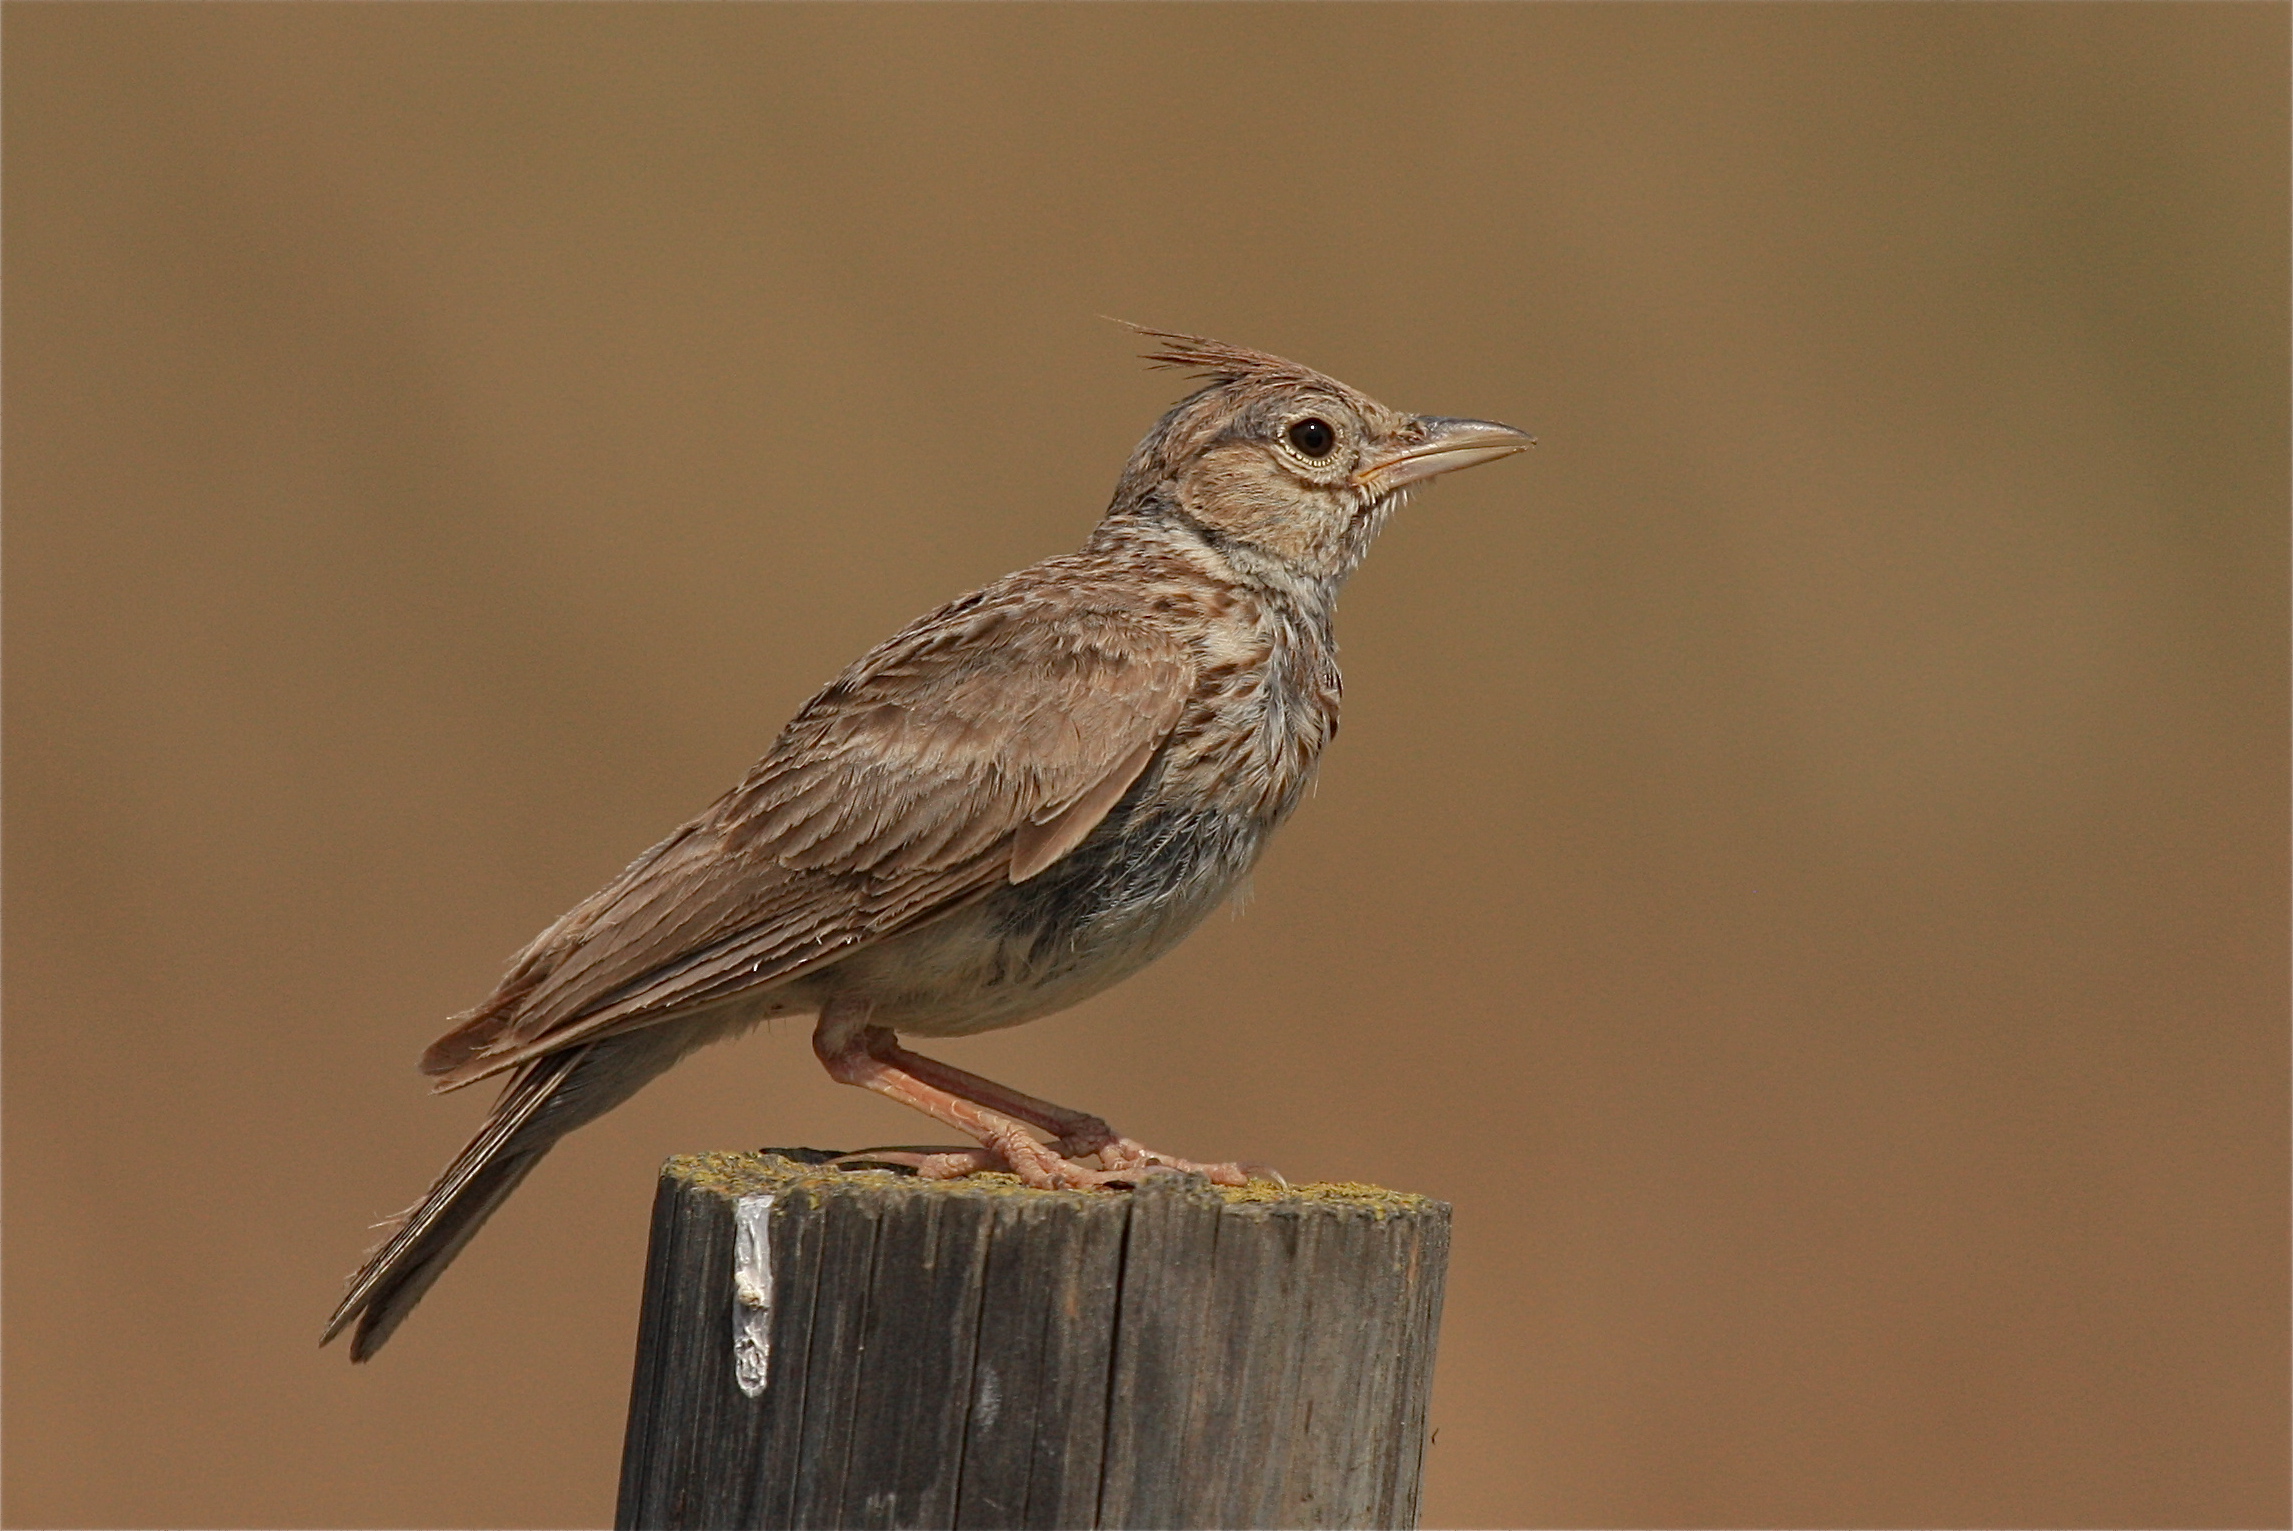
<point>1011,804</point>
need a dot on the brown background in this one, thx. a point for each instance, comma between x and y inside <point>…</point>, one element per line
<point>1804,871</point>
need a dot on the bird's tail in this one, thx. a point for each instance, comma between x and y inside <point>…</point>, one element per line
<point>544,1100</point>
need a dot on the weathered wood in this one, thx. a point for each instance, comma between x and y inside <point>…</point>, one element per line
<point>972,1353</point>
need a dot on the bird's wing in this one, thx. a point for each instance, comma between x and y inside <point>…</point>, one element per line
<point>972,750</point>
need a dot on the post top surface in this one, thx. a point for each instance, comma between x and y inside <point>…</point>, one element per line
<point>778,1171</point>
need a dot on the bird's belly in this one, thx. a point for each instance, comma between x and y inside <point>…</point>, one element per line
<point>1032,948</point>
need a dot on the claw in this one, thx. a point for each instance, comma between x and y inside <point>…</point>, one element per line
<point>1124,1162</point>
<point>1125,1154</point>
<point>933,1163</point>
<point>928,1163</point>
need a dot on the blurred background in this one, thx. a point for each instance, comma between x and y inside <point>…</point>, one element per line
<point>1804,871</point>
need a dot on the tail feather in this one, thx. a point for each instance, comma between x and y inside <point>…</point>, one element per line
<point>393,1288</point>
<point>544,1100</point>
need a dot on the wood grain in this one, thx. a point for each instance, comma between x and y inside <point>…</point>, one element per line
<point>974,1353</point>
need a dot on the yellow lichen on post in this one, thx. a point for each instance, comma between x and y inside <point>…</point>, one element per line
<point>767,1170</point>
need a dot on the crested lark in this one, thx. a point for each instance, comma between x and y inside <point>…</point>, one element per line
<point>1015,802</point>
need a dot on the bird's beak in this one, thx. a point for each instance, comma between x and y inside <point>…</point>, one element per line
<point>1448,444</point>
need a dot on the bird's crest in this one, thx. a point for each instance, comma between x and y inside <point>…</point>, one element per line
<point>1220,362</point>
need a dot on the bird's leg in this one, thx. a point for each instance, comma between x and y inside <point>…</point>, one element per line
<point>1079,1134</point>
<point>994,1116</point>
<point>1004,1139</point>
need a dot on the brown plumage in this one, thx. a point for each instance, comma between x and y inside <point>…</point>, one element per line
<point>1013,803</point>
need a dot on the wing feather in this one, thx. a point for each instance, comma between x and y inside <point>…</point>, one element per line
<point>974,749</point>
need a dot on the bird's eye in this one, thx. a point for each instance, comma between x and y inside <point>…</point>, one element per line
<point>1313,436</point>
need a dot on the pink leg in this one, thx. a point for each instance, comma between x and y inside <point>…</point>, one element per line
<point>1004,1139</point>
<point>1079,1134</point>
<point>993,1115</point>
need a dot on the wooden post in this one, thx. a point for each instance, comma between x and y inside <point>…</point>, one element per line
<point>840,1348</point>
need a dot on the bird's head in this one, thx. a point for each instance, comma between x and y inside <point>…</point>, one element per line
<point>1284,466</point>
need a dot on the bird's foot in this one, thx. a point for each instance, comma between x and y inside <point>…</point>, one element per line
<point>1125,1157</point>
<point>928,1163</point>
<point>1036,1164</point>
<point>999,1119</point>
<point>1121,1162</point>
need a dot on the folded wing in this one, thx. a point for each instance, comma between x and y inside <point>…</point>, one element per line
<point>972,750</point>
